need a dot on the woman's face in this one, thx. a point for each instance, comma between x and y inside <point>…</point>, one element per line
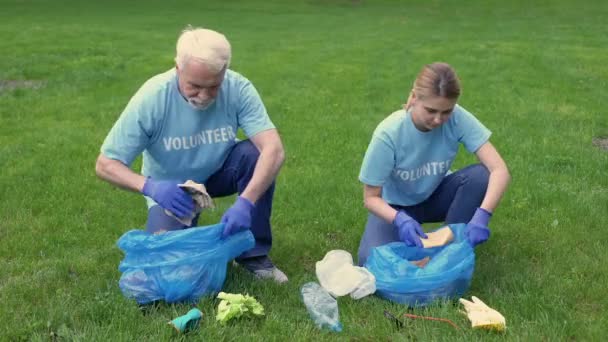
<point>430,112</point>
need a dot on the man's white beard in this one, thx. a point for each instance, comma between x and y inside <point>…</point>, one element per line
<point>200,105</point>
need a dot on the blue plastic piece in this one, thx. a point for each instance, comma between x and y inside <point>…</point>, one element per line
<point>178,266</point>
<point>187,322</point>
<point>446,276</point>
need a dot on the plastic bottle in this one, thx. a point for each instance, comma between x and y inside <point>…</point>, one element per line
<point>322,307</point>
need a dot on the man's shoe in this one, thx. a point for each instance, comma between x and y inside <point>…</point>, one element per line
<point>274,274</point>
<point>263,268</point>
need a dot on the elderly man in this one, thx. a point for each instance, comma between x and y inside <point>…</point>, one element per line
<point>185,122</point>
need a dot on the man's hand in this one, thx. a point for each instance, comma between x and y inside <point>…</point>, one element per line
<point>169,196</point>
<point>409,230</point>
<point>477,229</point>
<point>238,217</point>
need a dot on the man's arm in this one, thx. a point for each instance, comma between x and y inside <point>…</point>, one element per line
<point>269,163</point>
<point>166,193</point>
<point>117,173</point>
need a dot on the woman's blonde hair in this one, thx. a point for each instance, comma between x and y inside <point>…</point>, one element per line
<point>437,79</point>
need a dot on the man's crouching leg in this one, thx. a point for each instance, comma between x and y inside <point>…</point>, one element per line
<point>233,177</point>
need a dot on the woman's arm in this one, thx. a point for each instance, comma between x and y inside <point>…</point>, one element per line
<point>499,175</point>
<point>372,198</point>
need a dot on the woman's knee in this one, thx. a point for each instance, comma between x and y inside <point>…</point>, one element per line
<point>362,256</point>
<point>377,233</point>
<point>477,177</point>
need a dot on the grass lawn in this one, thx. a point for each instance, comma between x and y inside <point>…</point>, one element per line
<point>534,72</point>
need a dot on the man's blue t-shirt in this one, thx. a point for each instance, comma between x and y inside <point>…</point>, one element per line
<point>409,164</point>
<point>179,142</point>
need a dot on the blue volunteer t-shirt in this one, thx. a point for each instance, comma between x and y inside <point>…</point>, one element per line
<point>179,142</point>
<point>409,164</point>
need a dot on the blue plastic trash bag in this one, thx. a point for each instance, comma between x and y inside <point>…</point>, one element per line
<point>178,266</point>
<point>446,276</point>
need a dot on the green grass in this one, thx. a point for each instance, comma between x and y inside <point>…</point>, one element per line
<point>329,71</point>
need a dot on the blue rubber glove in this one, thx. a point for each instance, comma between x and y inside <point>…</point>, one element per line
<point>169,196</point>
<point>477,230</point>
<point>409,229</point>
<point>238,217</point>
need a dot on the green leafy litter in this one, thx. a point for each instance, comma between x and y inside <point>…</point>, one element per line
<point>237,305</point>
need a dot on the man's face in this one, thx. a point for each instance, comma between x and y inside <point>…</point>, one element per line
<point>431,112</point>
<point>198,84</point>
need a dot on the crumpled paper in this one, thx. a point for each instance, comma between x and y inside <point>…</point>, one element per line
<point>201,198</point>
<point>339,277</point>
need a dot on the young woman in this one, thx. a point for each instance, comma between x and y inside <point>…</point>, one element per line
<point>406,169</point>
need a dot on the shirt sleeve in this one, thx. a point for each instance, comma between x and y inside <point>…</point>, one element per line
<point>471,132</point>
<point>378,163</point>
<point>134,129</point>
<point>252,116</point>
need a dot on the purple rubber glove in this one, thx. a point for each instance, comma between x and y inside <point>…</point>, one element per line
<point>238,217</point>
<point>409,229</point>
<point>477,230</point>
<point>169,196</point>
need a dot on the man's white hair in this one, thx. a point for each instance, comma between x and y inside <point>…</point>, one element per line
<point>206,46</point>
